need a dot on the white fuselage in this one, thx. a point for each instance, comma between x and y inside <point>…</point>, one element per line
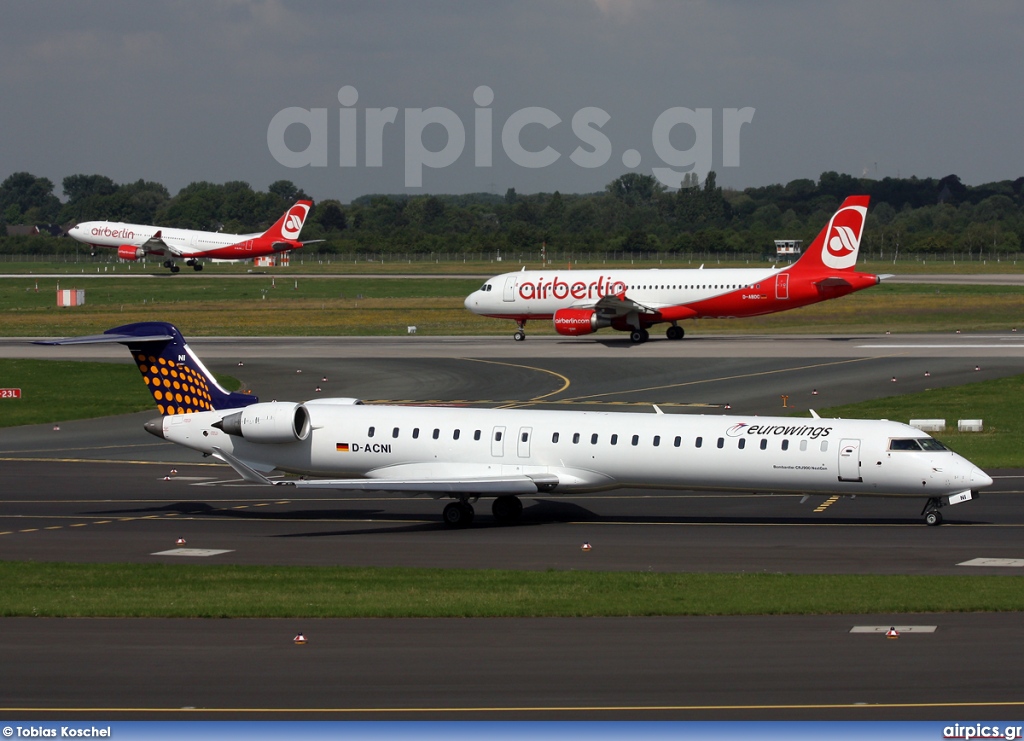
<point>539,293</point>
<point>589,451</point>
<point>182,242</point>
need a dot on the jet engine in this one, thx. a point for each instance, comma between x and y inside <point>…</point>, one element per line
<point>274,422</point>
<point>576,322</point>
<point>130,252</point>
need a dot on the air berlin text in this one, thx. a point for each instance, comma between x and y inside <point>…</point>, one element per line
<point>106,231</point>
<point>557,288</point>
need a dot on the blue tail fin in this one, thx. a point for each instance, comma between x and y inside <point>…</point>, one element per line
<point>176,377</point>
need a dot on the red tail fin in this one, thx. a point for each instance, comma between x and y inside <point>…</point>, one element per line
<point>289,225</point>
<point>837,245</point>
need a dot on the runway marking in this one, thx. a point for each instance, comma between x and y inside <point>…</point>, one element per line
<point>1008,562</point>
<point>192,552</point>
<point>827,503</point>
<point>900,628</point>
<point>501,403</point>
<point>99,447</point>
<point>939,347</point>
<point>565,381</point>
<point>102,460</point>
<point>737,377</point>
<point>531,708</point>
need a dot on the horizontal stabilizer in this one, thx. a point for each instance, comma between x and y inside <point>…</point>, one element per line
<point>97,339</point>
<point>832,282</point>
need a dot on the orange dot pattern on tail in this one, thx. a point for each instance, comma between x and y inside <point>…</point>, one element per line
<point>177,388</point>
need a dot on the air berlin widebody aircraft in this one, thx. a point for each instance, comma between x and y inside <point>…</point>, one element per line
<point>583,301</point>
<point>465,454</point>
<point>134,241</point>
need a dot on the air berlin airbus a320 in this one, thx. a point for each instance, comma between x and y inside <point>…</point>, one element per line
<point>134,241</point>
<point>582,301</point>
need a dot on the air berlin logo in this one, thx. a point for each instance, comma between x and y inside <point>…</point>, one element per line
<point>844,237</point>
<point>293,222</point>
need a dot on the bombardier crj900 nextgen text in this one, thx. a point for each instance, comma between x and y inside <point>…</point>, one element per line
<point>583,301</point>
<point>465,453</point>
<point>134,241</point>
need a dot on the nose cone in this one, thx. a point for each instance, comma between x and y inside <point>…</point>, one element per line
<point>979,478</point>
<point>471,300</point>
<point>155,427</point>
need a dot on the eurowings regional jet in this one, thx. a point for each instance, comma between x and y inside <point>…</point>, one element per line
<point>134,241</point>
<point>465,454</point>
<point>580,302</point>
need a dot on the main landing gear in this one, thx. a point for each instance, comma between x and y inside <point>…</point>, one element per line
<point>506,509</point>
<point>931,513</point>
<point>675,332</point>
<point>191,262</point>
<point>639,335</point>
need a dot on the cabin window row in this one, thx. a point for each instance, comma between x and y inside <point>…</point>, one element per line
<point>634,440</point>
<point>690,286</point>
<point>435,433</point>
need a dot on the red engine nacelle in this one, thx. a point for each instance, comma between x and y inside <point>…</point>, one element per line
<point>130,252</point>
<point>576,322</point>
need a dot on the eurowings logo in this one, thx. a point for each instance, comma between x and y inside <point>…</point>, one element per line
<point>737,429</point>
<point>293,221</point>
<point>842,241</point>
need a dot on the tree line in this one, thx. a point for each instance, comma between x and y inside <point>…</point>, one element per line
<point>633,214</point>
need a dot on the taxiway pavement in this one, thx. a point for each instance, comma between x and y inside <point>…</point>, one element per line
<point>103,491</point>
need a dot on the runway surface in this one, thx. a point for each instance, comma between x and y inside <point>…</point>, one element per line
<point>104,491</point>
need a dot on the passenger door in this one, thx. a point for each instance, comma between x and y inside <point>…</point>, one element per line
<point>849,460</point>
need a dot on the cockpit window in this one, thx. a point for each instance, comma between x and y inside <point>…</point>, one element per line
<point>904,445</point>
<point>917,443</point>
<point>485,287</point>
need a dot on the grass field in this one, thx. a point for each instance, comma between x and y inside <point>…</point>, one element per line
<point>56,391</point>
<point>480,265</point>
<point>997,402</point>
<point>172,590</point>
<point>369,306</point>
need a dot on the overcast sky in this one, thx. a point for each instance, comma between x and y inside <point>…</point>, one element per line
<point>183,91</point>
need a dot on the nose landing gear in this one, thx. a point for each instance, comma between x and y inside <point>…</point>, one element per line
<point>932,516</point>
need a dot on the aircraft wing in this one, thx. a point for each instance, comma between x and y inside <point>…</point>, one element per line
<point>157,244</point>
<point>613,306</point>
<point>475,485</point>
